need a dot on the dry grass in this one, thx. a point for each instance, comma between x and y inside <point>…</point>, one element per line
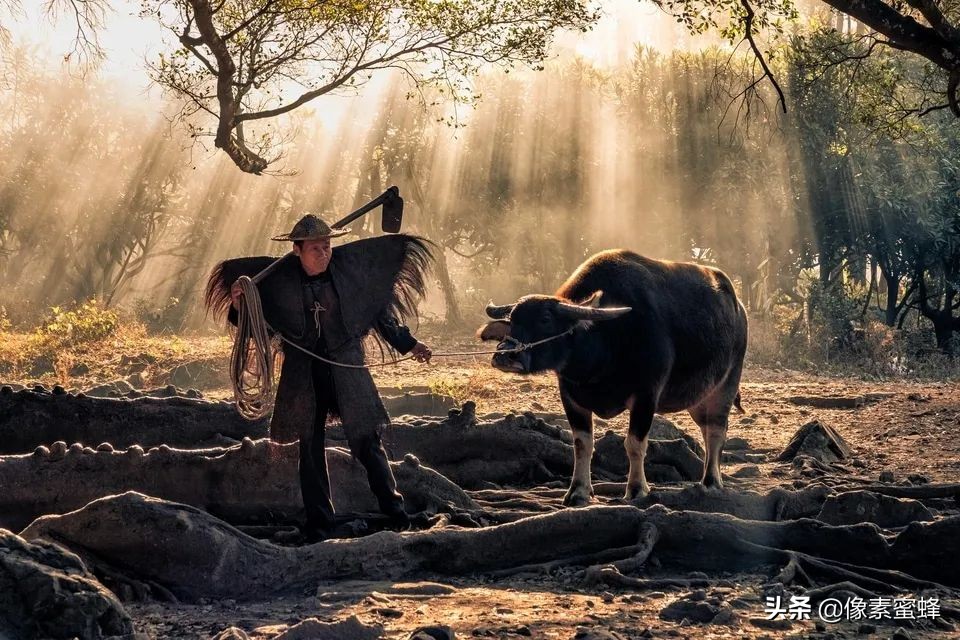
<point>30,358</point>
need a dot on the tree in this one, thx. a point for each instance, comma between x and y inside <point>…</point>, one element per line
<point>928,29</point>
<point>87,17</point>
<point>243,64</point>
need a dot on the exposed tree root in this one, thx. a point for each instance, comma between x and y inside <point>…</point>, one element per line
<point>610,575</point>
<point>776,505</point>
<point>255,482</point>
<point>606,555</point>
<point>523,450</point>
<point>194,555</point>
<point>649,535</point>
<point>29,419</point>
<point>921,492</point>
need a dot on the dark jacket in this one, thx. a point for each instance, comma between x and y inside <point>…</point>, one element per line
<point>377,280</point>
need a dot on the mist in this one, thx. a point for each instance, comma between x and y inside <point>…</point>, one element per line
<point>105,198</point>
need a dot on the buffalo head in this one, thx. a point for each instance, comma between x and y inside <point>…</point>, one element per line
<point>535,318</point>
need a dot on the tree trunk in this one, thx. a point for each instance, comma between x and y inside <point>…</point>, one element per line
<point>893,292</point>
<point>453,315</point>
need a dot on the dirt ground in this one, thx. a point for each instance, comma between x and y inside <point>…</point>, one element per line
<point>907,428</point>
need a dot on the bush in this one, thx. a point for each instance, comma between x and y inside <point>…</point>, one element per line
<point>87,322</point>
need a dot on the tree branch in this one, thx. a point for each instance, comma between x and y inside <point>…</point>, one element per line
<point>748,30</point>
<point>902,30</point>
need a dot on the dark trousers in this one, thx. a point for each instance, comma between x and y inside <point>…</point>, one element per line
<point>366,447</point>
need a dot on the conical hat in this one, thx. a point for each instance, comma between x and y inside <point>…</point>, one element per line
<point>310,227</point>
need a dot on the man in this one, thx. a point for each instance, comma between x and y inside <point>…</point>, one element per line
<point>326,301</point>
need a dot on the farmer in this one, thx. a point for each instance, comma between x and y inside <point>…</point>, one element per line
<point>325,302</point>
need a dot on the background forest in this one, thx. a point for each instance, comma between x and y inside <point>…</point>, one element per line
<point>838,220</point>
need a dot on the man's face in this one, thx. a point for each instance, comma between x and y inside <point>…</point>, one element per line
<point>314,255</point>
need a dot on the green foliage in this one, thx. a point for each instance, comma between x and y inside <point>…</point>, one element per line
<point>277,56</point>
<point>85,322</point>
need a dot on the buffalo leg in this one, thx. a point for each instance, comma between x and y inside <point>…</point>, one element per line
<point>641,419</point>
<point>581,424</point>
<point>711,417</point>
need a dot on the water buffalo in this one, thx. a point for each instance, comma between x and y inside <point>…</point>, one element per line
<point>668,336</point>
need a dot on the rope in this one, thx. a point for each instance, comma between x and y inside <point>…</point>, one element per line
<point>522,346</point>
<point>253,353</point>
<point>252,356</point>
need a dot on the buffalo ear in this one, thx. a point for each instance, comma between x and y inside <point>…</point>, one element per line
<point>496,330</point>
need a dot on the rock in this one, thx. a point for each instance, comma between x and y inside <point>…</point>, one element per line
<point>663,429</point>
<point>886,476</point>
<point>736,444</point>
<point>314,629</point>
<point>47,592</point>
<point>901,634</point>
<point>829,402</point>
<point>747,471</point>
<point>690,609</point>
<point>79,369</point>
<point>232,633</point>
<point>135,380</point>
<point>776,625</point>
<point>437,632</point>
<point>727,617</point>
<point>596,634</point>
<point>864,506</point>
<point>817,440</point>
<point>916,478</point>
<point>389,612</point>
<point>866,629</point>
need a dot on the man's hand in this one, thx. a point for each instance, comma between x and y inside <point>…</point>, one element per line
<point>421,352</point>
<point>235,293</point>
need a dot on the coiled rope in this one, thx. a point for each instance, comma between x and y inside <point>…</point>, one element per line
<point>253,355</point>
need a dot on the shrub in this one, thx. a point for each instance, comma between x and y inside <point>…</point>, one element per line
<point>86,322</point>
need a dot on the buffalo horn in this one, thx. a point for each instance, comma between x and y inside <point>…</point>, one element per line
<point>499,312</point>
<point>578,312</point>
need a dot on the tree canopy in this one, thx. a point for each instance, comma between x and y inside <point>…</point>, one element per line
<point>245,63</point>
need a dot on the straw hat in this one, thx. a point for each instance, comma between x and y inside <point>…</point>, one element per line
<point>310,227</point>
